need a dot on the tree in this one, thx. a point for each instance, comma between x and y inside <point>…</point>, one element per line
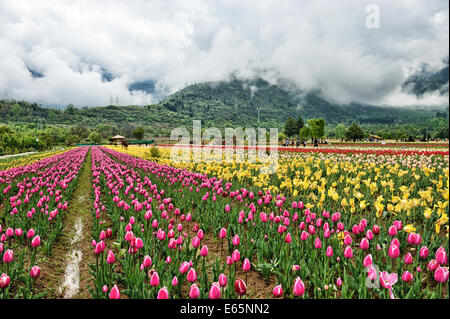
<point>80,130</point>
<point>291,127</point>
<point>70,109</point>
<point>281,136</point>
<point>95,137</point>
<point>340,131</point>
<point>139,133</point>
<point>317,127</point>
<point>300,123</point>
<point>305,133</point>
<point>354,132</point>
<point>71,140</point>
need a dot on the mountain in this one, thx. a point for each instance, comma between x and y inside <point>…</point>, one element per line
<point>236,103</point>
<point>220,104</point>
<point>426,81</point>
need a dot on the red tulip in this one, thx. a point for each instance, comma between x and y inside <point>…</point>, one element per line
<point>278,291</point>
<point>240,287</point>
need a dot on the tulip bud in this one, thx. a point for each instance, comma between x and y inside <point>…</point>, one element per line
<point>407,276</point>
<point>154,279</point>
<point>348,252</point>
<point>192,275</point>
<point>163,293</point>
<point>299,287</point>
<point>194,292</point>
<point>278,291</point>
<point>329,251</point>
<point>214,291</point>
<point>223,280</point>
<point>35,271</point>
<point>4,281</point>
<point>115,293</point>
<point>204,251</point>
<point>240,287</point>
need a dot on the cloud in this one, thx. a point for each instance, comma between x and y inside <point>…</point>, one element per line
<point>317,45</point>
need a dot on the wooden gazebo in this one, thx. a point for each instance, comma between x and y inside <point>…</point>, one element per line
<point>118,139</point>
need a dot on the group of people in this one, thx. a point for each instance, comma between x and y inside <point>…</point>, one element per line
<point>297,142</point>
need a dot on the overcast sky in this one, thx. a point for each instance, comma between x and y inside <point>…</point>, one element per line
<point>317,44</point>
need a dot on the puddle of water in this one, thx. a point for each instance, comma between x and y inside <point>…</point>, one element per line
<point>71,284</point>
<point>78,232</point>
<point>72,275</point>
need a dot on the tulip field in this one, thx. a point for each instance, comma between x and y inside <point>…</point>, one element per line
<point>333,222</point>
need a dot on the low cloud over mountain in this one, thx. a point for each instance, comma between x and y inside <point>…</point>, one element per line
<point>84,52</point>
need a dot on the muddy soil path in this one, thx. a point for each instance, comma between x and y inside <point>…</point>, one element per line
<point>66,272</point>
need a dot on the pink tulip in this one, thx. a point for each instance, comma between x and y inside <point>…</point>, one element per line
<point>408,259</point>
<point>154,279</point>
<point>223,280</point>
<point>317,243</point>
<point>407,276</point>
<point>30,233</point>
<point>236,255</point>
<point>184,267</point>
<point>36,241</point>
<point>329,251</point>
<point>299,287</point>
<point>364,245</point>
<point>441,274</point>
<point>204,251</point>
<point>348,252</point>
<point>236,240</point>
<point>214,291</point>
<point>393,231</point>
<point>192,275</point>
<point>194,292</point>
<point>388,280</point>
<point>347,240</point>
<point>110,259</point>
<point>371,272</point>
<point>339,282</point>
<point>174,281</point>
<point>115,293</point>
<point>393,251</point>
<point>35,271</point>
<point>423,252</point>
<point>8,257</point>
<point>433,265</point>
<point>288,238</point>
<point>4,281</point>
<point>147,261</point>
<point>368,261</point>
<point>304,235</point>
<point>246,265</point>
<point>163,293</point>
<point>223,233</point>
<point>441,256</point>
